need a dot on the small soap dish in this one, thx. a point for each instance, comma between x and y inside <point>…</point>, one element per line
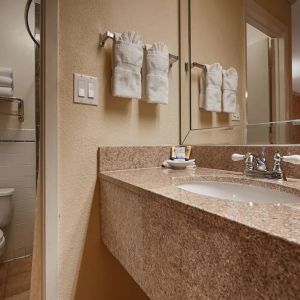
<point>180,164</point>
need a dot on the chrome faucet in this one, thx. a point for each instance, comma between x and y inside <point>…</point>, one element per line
<point>256,166</point>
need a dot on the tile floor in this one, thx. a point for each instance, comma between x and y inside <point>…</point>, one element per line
<point>15,279</point>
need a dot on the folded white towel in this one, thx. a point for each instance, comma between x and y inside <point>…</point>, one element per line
<point>6,81</point>
<point>210,88</point>
<point>127,64</point>
<point>6,92</point>
<point>6,72</point>
<point>157,81</point>
<point>230,85</point>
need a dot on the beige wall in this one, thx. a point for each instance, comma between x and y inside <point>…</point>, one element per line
<point>218,33</point>
<point>225,20</point>
<point>87,270</point>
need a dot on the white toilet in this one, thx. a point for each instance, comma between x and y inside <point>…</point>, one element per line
<point>5,214</point>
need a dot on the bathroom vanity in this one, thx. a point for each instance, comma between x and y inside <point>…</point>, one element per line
<point>178,244</point>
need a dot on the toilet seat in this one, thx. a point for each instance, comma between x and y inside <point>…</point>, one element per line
<point>2,244</point>
<point>2,238</point>
<point>6,192</point>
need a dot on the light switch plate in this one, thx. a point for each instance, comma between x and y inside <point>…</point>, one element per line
<point>82,89</point>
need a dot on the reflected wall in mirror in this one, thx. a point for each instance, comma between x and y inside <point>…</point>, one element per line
<point>19,141</point>
<point>270,100</point>
<point>255,38</point>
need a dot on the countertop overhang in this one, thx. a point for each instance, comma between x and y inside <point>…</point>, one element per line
<point>281,221</point>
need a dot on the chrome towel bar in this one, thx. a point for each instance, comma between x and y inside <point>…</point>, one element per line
<point>195,65</point>
<point>20,102</point>
<point>110,35</point>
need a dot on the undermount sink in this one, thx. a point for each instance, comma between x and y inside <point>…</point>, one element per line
<point>239,192</point>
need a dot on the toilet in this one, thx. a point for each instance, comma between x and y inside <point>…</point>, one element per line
<point>5,214</point>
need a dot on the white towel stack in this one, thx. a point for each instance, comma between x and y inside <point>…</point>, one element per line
<point>230,85</point>
<point>157,69</point>
<point>127,64</point>
<point>6,82</point>
<point>210,88</point>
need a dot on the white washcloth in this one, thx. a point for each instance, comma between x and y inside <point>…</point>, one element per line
<point>6,72</point>
<point>6,91</point>
<point>6,81</point>
<point>230,85</point>
<point>210,88</point>
<point>127,64</point>
<point>157,81</point>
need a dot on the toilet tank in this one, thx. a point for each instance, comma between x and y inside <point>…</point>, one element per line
<point>5,206</point>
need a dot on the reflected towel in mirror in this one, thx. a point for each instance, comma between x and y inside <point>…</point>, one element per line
<point>6,91</point>
<point>230,85</point>
<point>6,81</point>
<point>6,72</point>
<point>210,88</point>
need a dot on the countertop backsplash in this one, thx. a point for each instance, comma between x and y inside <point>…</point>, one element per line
<point>214,157</point>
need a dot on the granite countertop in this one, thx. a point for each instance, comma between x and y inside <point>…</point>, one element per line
<point>281,221</point>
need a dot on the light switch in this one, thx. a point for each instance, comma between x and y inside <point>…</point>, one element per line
<point>81,87</point>
<point>85,89</point>
<point>91,90</point>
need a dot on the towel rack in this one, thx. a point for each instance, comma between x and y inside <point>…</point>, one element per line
<point>110,35</point>
<point>195,65</point>
<point>20,102</point>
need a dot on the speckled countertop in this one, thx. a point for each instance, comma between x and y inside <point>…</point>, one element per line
<point>281,221</point>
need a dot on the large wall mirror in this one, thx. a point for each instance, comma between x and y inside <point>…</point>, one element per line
<point>255,41</point>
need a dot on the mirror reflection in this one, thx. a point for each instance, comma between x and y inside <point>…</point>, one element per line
<point>19,142</point>
<point>260,41</point>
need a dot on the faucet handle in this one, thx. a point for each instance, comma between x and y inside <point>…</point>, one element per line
<point>237,157</point>
<point>292,159</point>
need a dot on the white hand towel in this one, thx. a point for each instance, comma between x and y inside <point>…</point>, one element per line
<point>157,81</point>
<point>210,88</point>
<point>230,85</point>
<point>127,64</point>
<point>6,72</point>
<point>6,92</point>
<point>6,81</point>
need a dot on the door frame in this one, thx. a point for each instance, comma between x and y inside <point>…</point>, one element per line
<point>261,19</point>
<point>49,145</point>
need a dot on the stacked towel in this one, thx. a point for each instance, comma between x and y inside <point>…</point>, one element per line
<point>230,85</point>
<point>6,82</point>
<point>157,81</point>
<point>127,64</point>
<point>210,88</point>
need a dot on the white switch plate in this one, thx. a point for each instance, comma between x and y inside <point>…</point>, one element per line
<point>236,116</point>
<point>84,82</point>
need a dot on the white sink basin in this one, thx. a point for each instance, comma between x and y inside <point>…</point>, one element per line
<point>239,192</point>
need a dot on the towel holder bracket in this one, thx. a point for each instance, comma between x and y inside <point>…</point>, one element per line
<point>103,37</point>
<point>194,65</point>
<point>20,102</point>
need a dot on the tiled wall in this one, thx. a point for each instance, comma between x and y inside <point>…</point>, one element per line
<point>17,170</point>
